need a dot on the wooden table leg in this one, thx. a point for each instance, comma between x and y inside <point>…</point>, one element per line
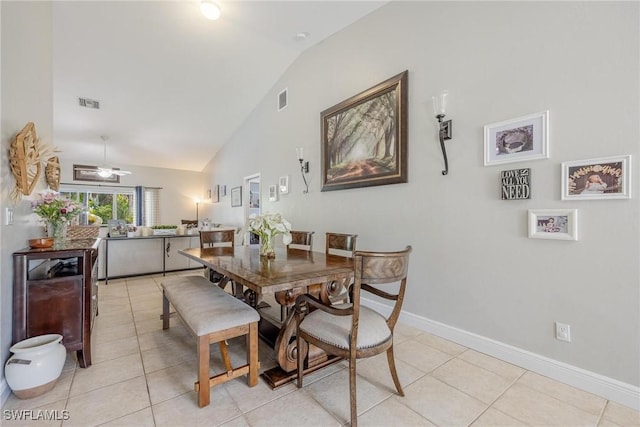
<point>286,355</point>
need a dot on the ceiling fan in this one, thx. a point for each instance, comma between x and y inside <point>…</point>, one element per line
<point>104,171</point>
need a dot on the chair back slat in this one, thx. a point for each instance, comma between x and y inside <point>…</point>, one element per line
<point>301,240</point>
<point>336,242</point>
<point>381,267</point>
<point>210,238</point>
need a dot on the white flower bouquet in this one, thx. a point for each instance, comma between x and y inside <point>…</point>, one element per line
<point>267,226</point>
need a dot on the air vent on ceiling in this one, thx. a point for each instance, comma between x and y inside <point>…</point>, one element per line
<point>282,100</point>
<point>89,103</point>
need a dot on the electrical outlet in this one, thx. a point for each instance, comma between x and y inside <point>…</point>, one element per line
<point>563,332</point>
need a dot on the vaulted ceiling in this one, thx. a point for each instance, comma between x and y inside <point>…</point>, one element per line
<point>173,86</point>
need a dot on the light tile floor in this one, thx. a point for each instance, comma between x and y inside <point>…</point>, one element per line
<point>143,376</point>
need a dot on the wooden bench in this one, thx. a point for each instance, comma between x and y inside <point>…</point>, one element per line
<point>212,316</point>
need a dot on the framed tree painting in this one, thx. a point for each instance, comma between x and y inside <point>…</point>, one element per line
<point>364,138</point>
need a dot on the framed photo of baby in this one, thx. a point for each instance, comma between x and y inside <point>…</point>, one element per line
<point>555,224</point>
<point>594,179</point>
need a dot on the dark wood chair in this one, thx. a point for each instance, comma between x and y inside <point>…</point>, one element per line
<point>218,238</point>
<point>352,331</point>
<point>301,240</point>
<point>212,238</point>
<point>343,245</point>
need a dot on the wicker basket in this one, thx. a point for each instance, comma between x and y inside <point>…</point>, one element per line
<point>83,232</point>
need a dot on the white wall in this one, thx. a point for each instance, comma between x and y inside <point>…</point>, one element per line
<point>473,267</point>
<point>26,96</point>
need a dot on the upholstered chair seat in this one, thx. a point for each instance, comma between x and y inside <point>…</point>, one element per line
<point>336,330</point>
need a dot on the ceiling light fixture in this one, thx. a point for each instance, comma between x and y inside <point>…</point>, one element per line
<point>105,171</point>
<point>210,9</point>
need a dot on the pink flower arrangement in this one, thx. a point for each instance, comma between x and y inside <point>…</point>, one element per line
<point>52,207</point>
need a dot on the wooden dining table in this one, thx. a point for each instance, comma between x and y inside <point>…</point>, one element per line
<point>292,272</point>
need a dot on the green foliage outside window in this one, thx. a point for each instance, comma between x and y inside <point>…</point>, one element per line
<point>102,205</point>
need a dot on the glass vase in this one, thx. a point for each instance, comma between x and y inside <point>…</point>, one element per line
<point>266,247</point>
<point>57,230</point>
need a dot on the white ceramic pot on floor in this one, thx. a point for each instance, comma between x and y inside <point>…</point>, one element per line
<point>35,365</point>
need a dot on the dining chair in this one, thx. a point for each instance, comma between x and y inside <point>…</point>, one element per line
<point>218,238</point>
<point>340,244</point>
<point>301,240</point>
<point>353,331</point>
<point>343,245</point>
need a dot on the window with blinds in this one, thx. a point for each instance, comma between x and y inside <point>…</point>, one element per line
<point>150,212</point>
<point>138,206</point>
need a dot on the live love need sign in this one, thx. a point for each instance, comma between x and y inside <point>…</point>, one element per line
<point>516,184</point>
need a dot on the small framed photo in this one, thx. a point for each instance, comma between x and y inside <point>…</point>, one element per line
<point>214,194</point>
<point>223,190</point>
<point>557,224</point>
<point>283,183</point>
<point>117,228</point>
<point>273,193</point>
<point>236,196</point>
<point>517,140</point>
<point>593,179</point>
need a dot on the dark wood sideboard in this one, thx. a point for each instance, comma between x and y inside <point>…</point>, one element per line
<point>55,291</point>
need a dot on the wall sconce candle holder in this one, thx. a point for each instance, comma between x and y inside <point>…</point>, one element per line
<point>304,168</point>
<point>444,131</point>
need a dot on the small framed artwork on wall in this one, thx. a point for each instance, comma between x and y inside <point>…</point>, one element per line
<point>214,194</point>
<point>593,179</point>
<point>557,224</point>
<point>516,140</point>
<point>236,196</point>
<point>273,193</point>
<point>515,184</point>
<point>283,183</point>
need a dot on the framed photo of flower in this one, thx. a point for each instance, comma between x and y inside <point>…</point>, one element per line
<point>364,138</point>
<point>556,224</point>
<point>594,179</point>
<point>517,140</point>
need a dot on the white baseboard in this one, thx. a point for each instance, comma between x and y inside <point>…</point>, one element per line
<point>608,388</point>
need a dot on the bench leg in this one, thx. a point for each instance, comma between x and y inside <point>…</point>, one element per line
<point>165,311</point>
<point>204,389</point>
<point>252,354</point>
